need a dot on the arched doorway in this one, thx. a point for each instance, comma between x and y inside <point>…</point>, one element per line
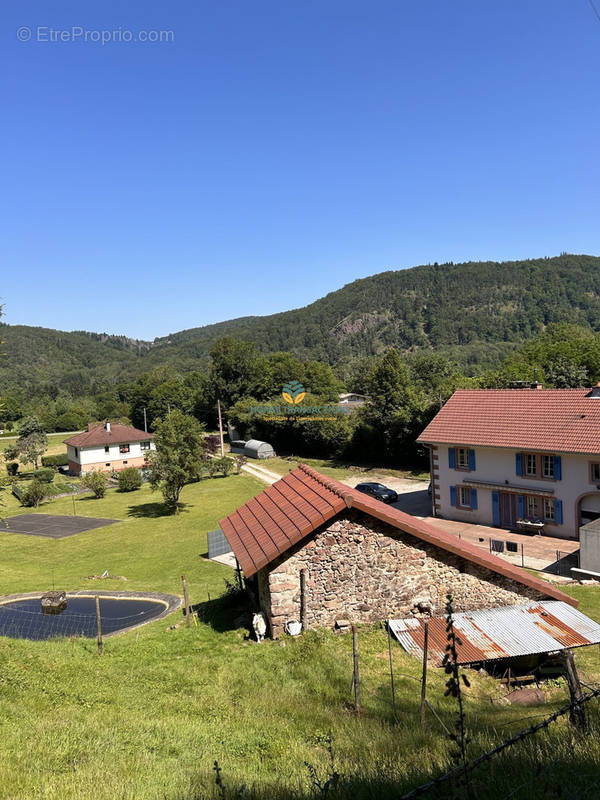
<point>588,508</point>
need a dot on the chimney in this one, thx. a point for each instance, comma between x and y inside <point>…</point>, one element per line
<point>89,426</point>
<point>107,426</point>
<point>595,392</point>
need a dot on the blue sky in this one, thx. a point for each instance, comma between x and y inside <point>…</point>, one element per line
<point>274,151</point>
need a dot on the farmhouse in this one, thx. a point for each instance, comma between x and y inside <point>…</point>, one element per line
<point>316,550</point>
<point>520,459</point>
<point>107,447</point>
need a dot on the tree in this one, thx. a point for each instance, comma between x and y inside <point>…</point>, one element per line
<point>392,412</point>
<point>238,370</point>
<point>33,494</point>
<point>179,455</point>
<point>31,444</point>
<point>96,481</point>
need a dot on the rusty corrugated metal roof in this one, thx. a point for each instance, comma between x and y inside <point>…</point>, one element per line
<point>490,634</point>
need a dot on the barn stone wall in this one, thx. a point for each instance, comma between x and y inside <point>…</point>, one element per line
<point>363,570</point>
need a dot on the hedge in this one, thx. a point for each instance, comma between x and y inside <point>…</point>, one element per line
<point>59,460</point>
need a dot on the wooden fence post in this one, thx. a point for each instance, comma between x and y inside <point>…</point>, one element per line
<point>303,598</point>
<point>355,673</point>
<point>424,678</point>
<point>577,716</point>
<point>392,673</point>
<point>99,626</point>
<point>186,601</point>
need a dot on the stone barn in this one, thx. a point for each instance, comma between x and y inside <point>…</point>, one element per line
<point>315,549</point>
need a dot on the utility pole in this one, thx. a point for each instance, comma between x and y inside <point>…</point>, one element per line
<point>220,428</point>
<point>145,422</point>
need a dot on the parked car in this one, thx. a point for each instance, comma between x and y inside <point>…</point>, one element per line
<point>378,491</point>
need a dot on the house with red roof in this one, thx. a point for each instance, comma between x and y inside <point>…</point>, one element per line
<point>518,459</point>
<point>318,552</point>
<point>108,447</point>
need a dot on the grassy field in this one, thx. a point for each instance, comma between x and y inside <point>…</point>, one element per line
<point>339,470</point>
<point>55,446</point>
<point>149,717</point>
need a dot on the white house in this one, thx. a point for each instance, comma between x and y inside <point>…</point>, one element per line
<point>521,459</point>
<point>108,447</point>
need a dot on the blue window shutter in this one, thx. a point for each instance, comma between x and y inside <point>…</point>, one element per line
<point>557,468</point>
<point>558,515</point>
<point>519,463</point>
<point>474,499</point>
<point>496,508</point>
<point>472,460</point>
<point>453,495</point>
<point>451,458</point>
<point>521,505</point>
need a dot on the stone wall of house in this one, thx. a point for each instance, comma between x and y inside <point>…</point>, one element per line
<point>363,570</point>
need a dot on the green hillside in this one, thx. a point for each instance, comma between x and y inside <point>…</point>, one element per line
<point>456,308</point>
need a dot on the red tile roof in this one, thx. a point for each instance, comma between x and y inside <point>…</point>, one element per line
<point>118,434</point>
<point>557,420</point>
<point>295,506</point>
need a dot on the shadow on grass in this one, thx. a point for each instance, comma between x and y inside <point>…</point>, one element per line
<point>156,510</point>
<point>228,612</point>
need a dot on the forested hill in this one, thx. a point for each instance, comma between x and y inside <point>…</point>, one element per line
<point>440,305</point>
<point>446,306</point>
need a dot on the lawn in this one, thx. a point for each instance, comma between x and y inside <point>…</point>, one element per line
<point>340,470</point>
<point>148,718</point>
<point>56,445</point>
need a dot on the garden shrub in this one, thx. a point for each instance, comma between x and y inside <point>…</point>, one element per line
<point>33,494</point>
<point>96,481</point>
<point>12,467</point>
<point>129,479</point>
<point>45,474</point>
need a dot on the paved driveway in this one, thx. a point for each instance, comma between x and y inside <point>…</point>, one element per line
<point>413,497</point>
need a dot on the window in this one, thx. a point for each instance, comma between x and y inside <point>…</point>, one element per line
<point>595,472</point>
<point>543,466</point>
<point>107,465</point>
<point>76,452</point>
<point>123,448</point>
<point>531,511</point>
<point>464,496</point>
<point>106,448</point>
<point>145,445</point>
<point>548,466</point>
<point>124,462</point>
<point>462,458</point>
<point>530,464</point>
<point>549,509</point>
